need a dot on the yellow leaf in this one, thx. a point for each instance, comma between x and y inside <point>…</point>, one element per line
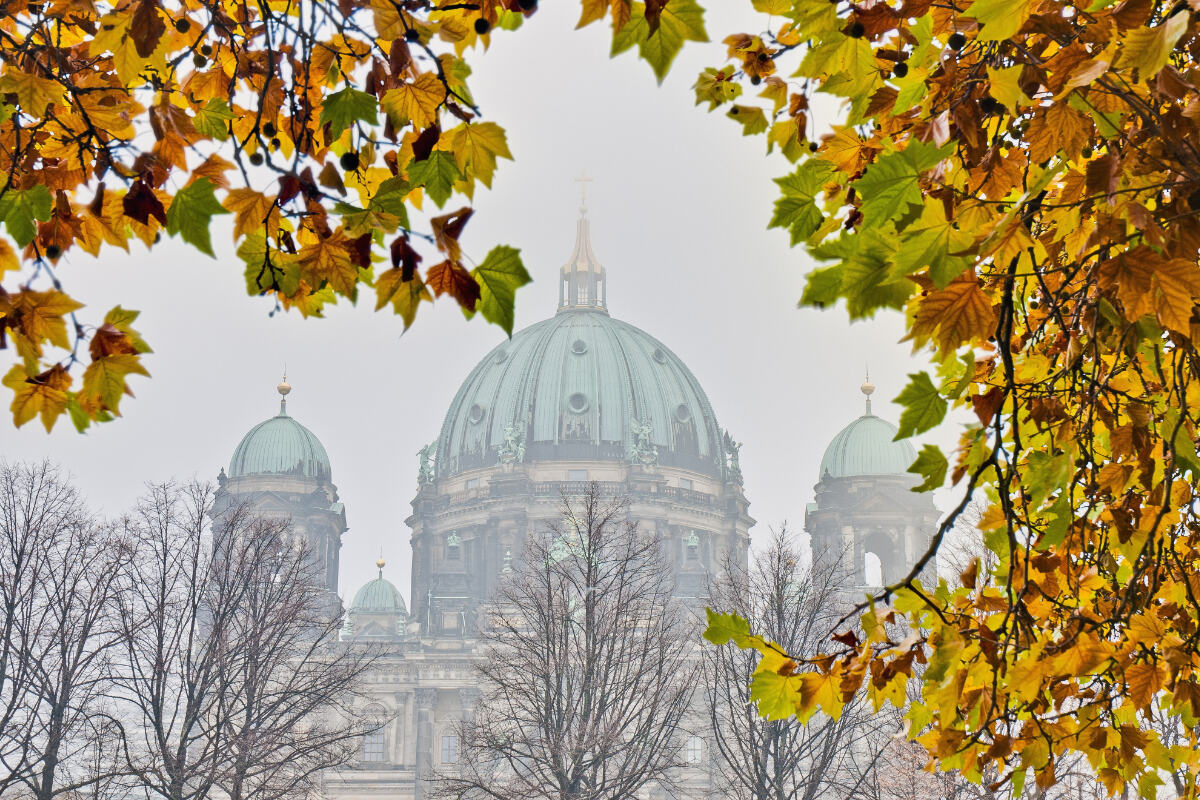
<point>959,314</point>
<point>44,394</point>
<point>115,36</point>
<point>415,101</point>
<point>476,146</point>
<point>104,380</point>
<point>9,262</point>
<point>1057,128</point>
<point>1148,49</point>
<point>252,211</point>
<point>848,151</point>
<point>1005,87</point>
<point>328,261</point>
<point>39,316</point>
<point>1145,681</point>
<point>405,296</point>
<point>33,93</point>
<point>1177,282</point>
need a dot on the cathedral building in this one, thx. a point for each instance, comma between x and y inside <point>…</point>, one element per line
<point>578,398</point>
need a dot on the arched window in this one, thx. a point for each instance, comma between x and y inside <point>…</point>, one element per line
<point>449,749</point>
<point>374,746</point>
<point>872,570</point>
<point>693,751</point>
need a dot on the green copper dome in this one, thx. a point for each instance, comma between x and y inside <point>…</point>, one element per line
<point>866,447</point>
<point>280,446</point>
<point>379,597</point>
<point>580,386</point>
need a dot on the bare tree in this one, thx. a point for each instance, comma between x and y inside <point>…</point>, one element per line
<point>288,683</point>
<point>586,677</point>
<point>231,665</point>
<point>796,605</point>
<point>58,571</point>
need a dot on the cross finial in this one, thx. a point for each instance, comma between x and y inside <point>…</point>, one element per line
<point>583,180</point>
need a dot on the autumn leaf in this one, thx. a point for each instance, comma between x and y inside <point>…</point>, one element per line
<point>104,380</point>
<point>414,101</point>
<point>679,21</point>
<point>192,211</point>
<point>44,394</point>
<point>22,208</point>
<point>954,316</point>
<point>342,109</point>
<point>449,277</point>
<point>327,261</point>
<point>1148,49</point>
<point>924,407</point>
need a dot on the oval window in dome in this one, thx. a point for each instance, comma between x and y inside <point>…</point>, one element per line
<point>475,415</point>
<point>579,347</point>
<point>578,402</point>
<point>682,414</point>
<point>502,356</point>
<point>659,355</point>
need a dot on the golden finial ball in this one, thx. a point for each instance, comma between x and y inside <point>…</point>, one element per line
<point>284,387</point>
<point>867,387</point>
<point>379,562</point>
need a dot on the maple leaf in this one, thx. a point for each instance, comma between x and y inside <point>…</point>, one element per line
<point>499,277</point>
<point>253,211</point>
<point>476,147</point>
<point>679,21</point>
<point>449,277</point>
<point>924,406</point>
<point>415,101</point>
<point>34,93</point>
<point>342,109</point>
<point>192,211</point>
<point>327,261</point>
<point>104,380</point>
<point>892,183</point>
<point>40,316</point>
<point>404,295</point>
<point>1148,49</point>
<point>436,174</point>
<point>959,314</point>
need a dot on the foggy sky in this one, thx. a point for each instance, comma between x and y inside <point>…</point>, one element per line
<point>679,208</point>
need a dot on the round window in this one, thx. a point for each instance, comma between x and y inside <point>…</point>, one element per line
<point>502,356</point>
<point>475,415</point>
<point>659,355</point>
<point>578,402</point>
<point>579,347</point>
<point>681,413</point>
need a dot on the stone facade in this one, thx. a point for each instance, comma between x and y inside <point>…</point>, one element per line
<point>580,398</point>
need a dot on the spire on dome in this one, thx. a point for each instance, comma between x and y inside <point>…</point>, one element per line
<point>868,389</point>
<point>283,388</point>
<point>582,281</point>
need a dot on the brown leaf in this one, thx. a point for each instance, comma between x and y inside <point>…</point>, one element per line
<point>403,255</point>
<point>986,405</point>
<point>449,277</point>
<point>140,203</point>
<point>331,178</point>
<point>423,145</point>
<point>446,230</point>
<point>654,9</point>
<point>147,27</point>
<point>108,340</point>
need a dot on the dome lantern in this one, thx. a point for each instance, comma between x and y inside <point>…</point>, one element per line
<point>280,446</point>
<point>867,447</point>
<point>582,280</point>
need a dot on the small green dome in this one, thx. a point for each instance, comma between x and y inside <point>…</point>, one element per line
<point>866,447</point>
<point>379,597</point>
<point>280,446</point>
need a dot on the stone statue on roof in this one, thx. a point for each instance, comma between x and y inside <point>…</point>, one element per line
<point>642,450</point>
<point>425,470</point>
<point>733,450</point>
<point>512,449</point>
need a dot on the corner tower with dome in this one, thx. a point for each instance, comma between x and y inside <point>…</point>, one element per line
<point>281,470</point>
<point>581,397</point>
<point>866,510</point>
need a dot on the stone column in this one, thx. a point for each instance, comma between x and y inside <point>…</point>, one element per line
<point>426,699</point>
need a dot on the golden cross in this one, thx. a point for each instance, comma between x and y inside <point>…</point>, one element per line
<point>583,180</point>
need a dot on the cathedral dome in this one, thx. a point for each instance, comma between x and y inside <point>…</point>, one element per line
<point>379,596</point>
<point>577,387</point>
<point>581,386</point>
<point>280,446</point>
<point>867,446</point>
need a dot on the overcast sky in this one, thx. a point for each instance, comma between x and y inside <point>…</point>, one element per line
<point>679,208</point>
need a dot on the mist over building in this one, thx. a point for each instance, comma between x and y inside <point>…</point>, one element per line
<point>577,399</point>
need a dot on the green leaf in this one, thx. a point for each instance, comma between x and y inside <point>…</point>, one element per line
<point>797,210</point>
<point>213,120</point>
<point>191,212</point>
<point>923,406</point>
<point>499,277</point>
<point>681,20</point>
<point>867,279</point>
<point>342,109</point>
<point>892,184</point>
<point>725,628</point>
<point>931,464</point>
<point>936,243</point>
<point>775,694</point>
<point>389,198</point>
<point>21,207</point>
<point>751,118</point>
<point>437,174</point>
<point>716,87</point>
